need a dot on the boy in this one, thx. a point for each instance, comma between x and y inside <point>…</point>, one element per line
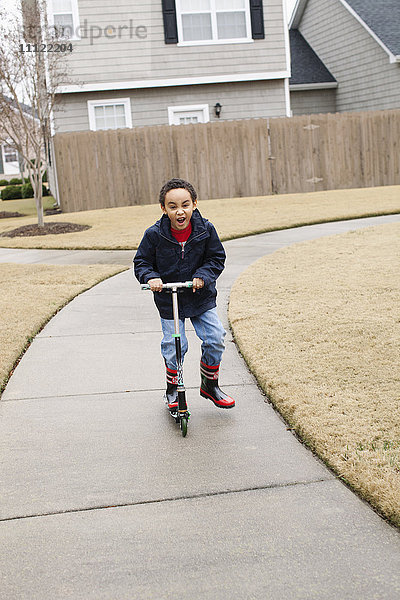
<point>182,246</point>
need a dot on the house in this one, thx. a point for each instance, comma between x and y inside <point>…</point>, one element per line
<point>156,62</point>
<point>11,163</point>
<point>345,55</point>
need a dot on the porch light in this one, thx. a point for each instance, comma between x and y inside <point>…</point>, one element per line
<point>217,109</point>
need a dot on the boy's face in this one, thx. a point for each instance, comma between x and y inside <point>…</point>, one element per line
<point>179,207</point>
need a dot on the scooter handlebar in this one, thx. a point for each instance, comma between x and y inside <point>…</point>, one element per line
<point>170,286</point>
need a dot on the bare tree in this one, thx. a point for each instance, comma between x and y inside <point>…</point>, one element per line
<point>30,75</point>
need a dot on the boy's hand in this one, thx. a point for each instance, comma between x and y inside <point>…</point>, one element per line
<point>197,283</point>
<point>155,285</point>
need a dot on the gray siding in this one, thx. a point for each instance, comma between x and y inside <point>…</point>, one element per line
<point>128,58</point>
<point>150,106</point>
<point>308,102</point>
<point>367,81</point>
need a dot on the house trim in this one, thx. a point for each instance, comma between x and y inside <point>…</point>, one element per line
<point>287,98</point>
<point>154,83</point>
<point>297,14</point>
<point>215,42</point>
<point>299,87</point>
<point>301,6</point>
<point>286,35</point>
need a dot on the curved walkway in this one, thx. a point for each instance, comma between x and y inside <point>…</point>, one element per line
<point>102,498</point>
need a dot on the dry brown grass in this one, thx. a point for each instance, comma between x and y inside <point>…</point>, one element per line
<point>319,325</point>
<point>30,295</point>
<point>118,228</point>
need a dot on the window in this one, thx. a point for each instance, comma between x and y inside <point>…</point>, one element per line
<point>9,160</point>
<point>10,154</point>
<point>64,17</point>
<point>215,21</point>
<point>109,114</point>
<point>182,115</point>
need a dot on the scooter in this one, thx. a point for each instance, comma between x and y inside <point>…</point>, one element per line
<point>181,415</point>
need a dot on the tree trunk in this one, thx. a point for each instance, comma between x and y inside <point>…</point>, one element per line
<point>39,206</point>
<point>37,185</point>
<point>21,167</point>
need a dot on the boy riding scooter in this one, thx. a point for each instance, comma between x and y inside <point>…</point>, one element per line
<point>183,246</point>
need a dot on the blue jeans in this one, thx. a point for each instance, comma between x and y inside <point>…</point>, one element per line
<point>208,328</point>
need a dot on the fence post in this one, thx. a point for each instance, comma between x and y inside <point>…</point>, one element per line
<point>271,160</point>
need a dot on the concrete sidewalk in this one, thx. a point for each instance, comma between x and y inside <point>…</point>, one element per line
<point>103,499</point>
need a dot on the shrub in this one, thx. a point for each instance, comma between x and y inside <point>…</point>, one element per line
<point>11,192</point>
<point>15,181</point>
<point>27,191</point>
<point>3,181</point>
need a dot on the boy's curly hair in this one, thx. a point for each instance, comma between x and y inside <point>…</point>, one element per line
<point>174,184</point>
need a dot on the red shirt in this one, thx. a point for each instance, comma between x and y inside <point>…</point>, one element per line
<point>182,235</point>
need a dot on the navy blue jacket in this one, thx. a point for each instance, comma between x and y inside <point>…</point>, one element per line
<point>160,255</point>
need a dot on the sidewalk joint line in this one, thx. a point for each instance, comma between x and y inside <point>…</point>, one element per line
<point>107,333</point>
<point>110,393</point>
<point>172,499</point>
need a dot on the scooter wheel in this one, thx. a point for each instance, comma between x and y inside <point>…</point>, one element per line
<point>184,424</point>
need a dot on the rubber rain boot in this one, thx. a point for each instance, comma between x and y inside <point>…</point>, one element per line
<point>171,393</point>
<point>209,387</point>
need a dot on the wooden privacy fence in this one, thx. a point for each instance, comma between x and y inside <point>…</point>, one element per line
<point>228,159</point>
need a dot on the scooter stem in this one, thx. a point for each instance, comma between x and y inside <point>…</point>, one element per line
<point>175,309</point>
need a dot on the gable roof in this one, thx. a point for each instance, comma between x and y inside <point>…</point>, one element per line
<point>381,18</point>
<point>307,67</point>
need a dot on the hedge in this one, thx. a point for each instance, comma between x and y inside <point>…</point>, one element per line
<point>17,192</point>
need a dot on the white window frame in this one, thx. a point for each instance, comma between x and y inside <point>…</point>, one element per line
<point>172,110</point>
<point>9,168</point>
<point>75,19</point>
<point>93,103</point>
<point>215,40</point>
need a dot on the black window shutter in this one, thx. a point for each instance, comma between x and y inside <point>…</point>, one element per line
<point>257,19</point>
<point>170,27</point>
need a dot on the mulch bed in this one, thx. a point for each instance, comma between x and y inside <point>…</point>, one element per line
<point>47,229</point>
<point>5,214</point>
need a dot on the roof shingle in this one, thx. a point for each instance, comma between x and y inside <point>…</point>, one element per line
<point>306,66</point>
<point>383,17</point>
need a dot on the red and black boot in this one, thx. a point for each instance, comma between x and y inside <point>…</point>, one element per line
<point>171,393</point>
<point>209,387</point>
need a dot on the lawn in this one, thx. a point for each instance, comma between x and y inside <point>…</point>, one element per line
<point>122,228</point>
<point>318,325</point>
<point>25,207</point>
